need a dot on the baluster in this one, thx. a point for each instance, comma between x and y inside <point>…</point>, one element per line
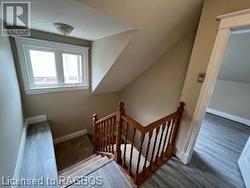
<point>100,138</point>
<point>120,113</point>
<point>105,135</point>
<point>168,149</point>
<point>100,127</point>
<point>159,147</point>
<point>109,138</point>
<point>113,133</point>
<point>125,144</point>
<point>95,129</point>
<point>131,152</point>
<point>110,134</point>
<point>146,157</point>
<point>152,156</point>
<point>165,140</point>
<point>139,158</point>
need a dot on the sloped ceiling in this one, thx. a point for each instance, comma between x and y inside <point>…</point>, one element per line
<point>236,63</point>
<point>132,34</point>
<point>159,23</point>
<point>105,53</point>
<point>88,23</point>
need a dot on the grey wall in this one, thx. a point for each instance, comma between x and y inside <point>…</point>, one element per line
<point>232,98</point>
<point>11,118</point>
<point>236,66</point>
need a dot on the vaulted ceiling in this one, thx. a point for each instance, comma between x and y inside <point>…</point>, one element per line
<point>88,23</point>
<point>127,35</point>
<point>159,25</point>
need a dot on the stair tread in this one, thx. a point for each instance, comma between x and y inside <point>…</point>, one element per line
<point>91,167</point>
<point>76,165</point>
<point>83,170</point>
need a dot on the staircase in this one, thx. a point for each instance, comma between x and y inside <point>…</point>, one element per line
<point>82,169</point>
<point>95,171</point>
<point>139,150</point>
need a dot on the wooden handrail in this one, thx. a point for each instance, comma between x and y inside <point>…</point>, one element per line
<point>159,122</point>
<point>134,123</point>
<point>105,118</point>
<point>149,127</point>
<point>159,137</point>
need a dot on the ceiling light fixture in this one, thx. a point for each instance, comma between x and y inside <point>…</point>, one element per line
<point>64,29</point>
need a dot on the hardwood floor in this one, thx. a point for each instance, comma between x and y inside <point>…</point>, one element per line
<point>110,176</point>
<point>38,158</point>
<point>214,164</point>
<point>73,151</point>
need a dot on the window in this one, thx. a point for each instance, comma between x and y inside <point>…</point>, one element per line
<point>48,66</point>
<point>43,66</point>
<point>72,68</point>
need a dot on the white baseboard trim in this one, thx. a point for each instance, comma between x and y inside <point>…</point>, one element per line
<point>229,116</point>
<point>21,151</point>
<point>184,157</point>
<point>70,136</point>
<point>36,119</point>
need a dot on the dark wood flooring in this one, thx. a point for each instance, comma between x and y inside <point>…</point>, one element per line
<point>70,152</point>
<point>214,163</point>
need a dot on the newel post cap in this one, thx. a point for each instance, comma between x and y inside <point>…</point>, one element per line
<point>94,117</point>
<point>182,104</point>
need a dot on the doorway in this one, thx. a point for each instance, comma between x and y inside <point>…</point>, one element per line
<point>225,128</point>
<point>220,119</point>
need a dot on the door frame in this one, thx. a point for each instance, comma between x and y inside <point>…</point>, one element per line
<point>229,23</point>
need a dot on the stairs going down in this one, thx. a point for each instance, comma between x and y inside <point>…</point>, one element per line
<point>76,172</point>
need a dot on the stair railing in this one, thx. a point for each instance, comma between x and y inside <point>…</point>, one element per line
<point>139,149</point>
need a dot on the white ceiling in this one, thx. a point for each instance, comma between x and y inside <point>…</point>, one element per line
<point>236,63</point>
<point>159,25</point>
<point>87,22</point>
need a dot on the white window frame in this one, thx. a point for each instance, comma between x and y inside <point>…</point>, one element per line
<point>25,44</point>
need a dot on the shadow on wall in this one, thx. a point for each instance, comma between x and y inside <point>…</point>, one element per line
<point>11,116</point>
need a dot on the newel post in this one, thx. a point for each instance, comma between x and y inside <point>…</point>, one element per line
<point>120,112</point>
<point>179,113</point>
<point>95,130</point>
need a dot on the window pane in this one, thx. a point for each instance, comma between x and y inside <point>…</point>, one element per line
<point>72,68</point>
<point>43,67</point>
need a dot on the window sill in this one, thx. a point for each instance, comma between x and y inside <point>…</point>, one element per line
<point>54,89</point>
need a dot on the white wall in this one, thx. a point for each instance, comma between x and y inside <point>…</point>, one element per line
<point>232,98</point>
<point>159,23</point>
<point>104,54</point>
<point>11,117</point>
<point>156,92</point>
